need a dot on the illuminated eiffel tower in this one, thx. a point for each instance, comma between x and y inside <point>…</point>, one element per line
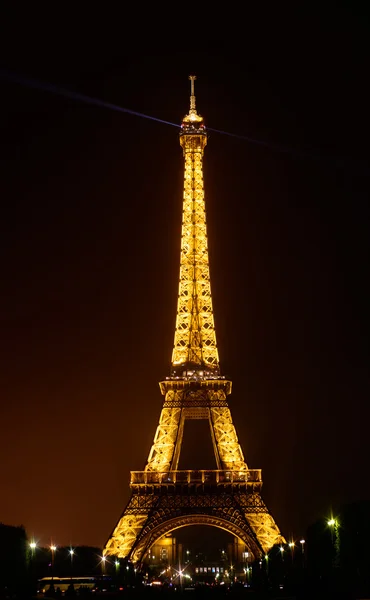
<point>164,498</point>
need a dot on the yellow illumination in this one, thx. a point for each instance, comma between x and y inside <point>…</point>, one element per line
<point>195,336</point>
<point>195,390</point>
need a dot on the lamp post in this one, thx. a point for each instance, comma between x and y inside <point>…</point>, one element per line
<point>52,549</point>
<point>302,542</point>
<point>292,546</point>
<point>71,554</point>
<point>331,524</point>
<point>267,563</point>
<point>334,525</point>
<point>33,547</point>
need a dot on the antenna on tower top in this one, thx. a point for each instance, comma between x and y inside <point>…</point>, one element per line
<point>192,96</point>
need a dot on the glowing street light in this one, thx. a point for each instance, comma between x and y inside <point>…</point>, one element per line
<point>332,523</point>
<point>281,548</point>
<point>33,547</point>
<point>302,542</point>
<point>71,554</point>
<point>52,549</point>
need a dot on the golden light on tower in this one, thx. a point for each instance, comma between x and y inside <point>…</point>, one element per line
<point>195,336</point>
<point>164,498</point>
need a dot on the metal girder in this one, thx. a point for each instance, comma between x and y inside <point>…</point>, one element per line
<point>163,448</point>
<point>149,516</point>
<point>144,522</point>
<point>195,335</point>
<point>171,500</point>
<point>167,441</point>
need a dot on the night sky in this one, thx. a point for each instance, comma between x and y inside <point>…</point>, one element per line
<point>90,247</point>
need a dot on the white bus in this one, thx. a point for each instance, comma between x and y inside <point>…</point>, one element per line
<point>63,583</point>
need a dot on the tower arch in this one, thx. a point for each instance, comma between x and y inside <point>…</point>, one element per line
<point>167,526</point>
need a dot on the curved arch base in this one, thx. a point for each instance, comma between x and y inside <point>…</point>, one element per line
<point>148,517</point>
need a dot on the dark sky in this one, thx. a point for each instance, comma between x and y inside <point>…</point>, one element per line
<point>90,240</point>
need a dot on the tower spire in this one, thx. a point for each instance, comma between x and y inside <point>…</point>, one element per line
<point>192,95</point>
<point>195,346</point>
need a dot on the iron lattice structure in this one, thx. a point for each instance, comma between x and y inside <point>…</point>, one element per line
<point>162,497</point>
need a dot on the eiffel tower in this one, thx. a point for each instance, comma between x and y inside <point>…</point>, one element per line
<point>164,498</point>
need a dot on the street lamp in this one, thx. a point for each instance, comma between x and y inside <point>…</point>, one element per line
<point>52,549</point>
<point>267,562</point>
<point>302,542</point>
<point>103,559</point>
<point>334,530</point>
<point>332,524</point>
<point>33,547</point>
<point>71,554</point>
